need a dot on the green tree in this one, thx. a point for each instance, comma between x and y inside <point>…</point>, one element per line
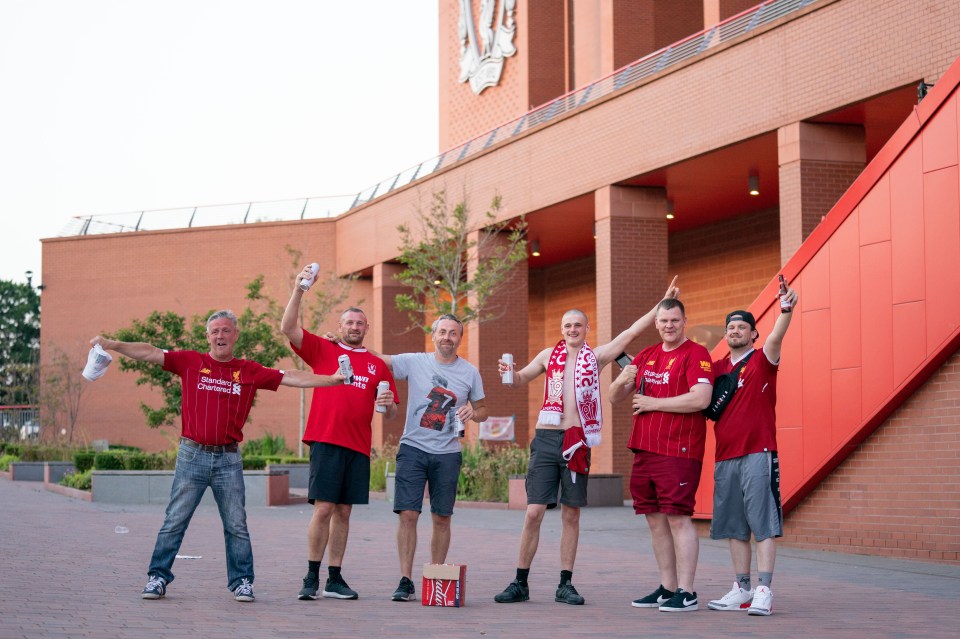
<point>437,254</point>
<point>257,341</point>
<point>19,343</point>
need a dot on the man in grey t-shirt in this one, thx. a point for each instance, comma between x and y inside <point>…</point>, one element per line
<point>442,387</point>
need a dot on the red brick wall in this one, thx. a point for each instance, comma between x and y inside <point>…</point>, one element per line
<point>896,495</point>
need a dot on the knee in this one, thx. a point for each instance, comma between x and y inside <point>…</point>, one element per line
<point>441,523</point>
<point>571,516</point>
<point>408,518</point>
<point>534,514</point>
<point>322,511</point>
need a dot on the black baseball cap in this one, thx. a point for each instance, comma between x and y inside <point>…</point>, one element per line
<point>742,316</point>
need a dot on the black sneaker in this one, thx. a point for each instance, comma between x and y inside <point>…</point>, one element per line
<point>654,600</point>
<point>156,588</point>
<point>311,583</point>
<point>338,589</point>
<point>681,601</point>
<point>515,592</point>
<point>244,592</point>
<point>567,594</point>
<point>405,591</point>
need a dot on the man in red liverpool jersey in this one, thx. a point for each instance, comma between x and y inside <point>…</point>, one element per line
<point>670,383</point>
<point>339,434</point>
<point>218,392</point>
<point>746,493</point>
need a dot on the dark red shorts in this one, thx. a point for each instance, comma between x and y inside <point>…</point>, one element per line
<point>664,484</point>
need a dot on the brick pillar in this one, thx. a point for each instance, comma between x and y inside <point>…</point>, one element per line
<point>388,334</point>
<point>631,277</point>
<point>818,162</point>
<point>507,332</point>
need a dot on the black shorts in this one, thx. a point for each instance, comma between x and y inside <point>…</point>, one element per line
<point>338,475</point>
<point>547,473</point>
<point>416,469</point>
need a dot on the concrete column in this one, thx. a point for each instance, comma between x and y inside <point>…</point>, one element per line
<point>818,162</point>
<point>631,277</point>
<point>389,334</point>
<point>507,331</point>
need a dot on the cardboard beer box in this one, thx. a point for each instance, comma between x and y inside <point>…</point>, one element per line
<point>444,585</point>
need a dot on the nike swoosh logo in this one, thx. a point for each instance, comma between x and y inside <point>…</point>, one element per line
<point>684,483</point>
<point>689,602</point>
<point>660,600</point>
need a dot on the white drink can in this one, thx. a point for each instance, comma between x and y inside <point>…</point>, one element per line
<point>507,377</point>
<point>458,426</point>
<point>346,368</point>
<point>382,387</point>
<point>306,283</point>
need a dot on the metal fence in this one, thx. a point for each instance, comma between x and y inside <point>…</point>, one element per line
<point>331,206</point>
<point>19,422</point>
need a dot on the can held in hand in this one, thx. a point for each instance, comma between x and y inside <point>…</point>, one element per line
<point>346,368</point>
<point>382,387</point>
<point>458,426</point>
<point>306,283</point>
<point>507,377</point>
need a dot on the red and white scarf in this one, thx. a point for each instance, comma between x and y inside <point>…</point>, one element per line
<point>586,384</point>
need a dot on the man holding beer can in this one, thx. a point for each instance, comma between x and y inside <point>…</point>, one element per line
<point>338,432</point>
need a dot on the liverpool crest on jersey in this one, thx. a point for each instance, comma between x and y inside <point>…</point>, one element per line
<point>483,47</point>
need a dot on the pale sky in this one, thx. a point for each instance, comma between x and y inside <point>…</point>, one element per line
<point>112,106</point>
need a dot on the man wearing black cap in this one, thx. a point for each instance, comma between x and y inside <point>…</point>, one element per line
<point>746,496</point>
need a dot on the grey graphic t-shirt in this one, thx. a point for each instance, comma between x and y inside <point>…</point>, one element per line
<point>435,391</point>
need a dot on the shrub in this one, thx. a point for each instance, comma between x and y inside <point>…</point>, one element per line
<point>132,449</point>
<point>380,461</point>
<point>485,473</point>
<point>79,480</point>
<point>13,449</point>
<point>109,461</point>
<point>83,460</point>
<point>268,445</point>
<point>5,460</point>
<point>254,462</point>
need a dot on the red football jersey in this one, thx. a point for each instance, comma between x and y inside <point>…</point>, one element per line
<point>749,422</point>
<point>217,396</point>
<point>669,374</point>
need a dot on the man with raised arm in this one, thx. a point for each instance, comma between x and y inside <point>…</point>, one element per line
<point>339,434</point>
<point>218,391</point>
<point>746,491</point>
<point>570,418</point>
<point>670,383</point>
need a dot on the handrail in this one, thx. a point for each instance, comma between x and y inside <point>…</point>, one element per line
<point>628,75</point>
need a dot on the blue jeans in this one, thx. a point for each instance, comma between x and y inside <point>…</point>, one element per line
<point>223,472</point>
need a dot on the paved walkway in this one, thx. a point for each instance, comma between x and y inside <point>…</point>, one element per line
<point>65,572</point>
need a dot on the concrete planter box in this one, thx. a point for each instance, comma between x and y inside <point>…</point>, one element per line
<point>299,474</point>
<point>603,490</point>
<point>37,471</point>
<point>263,488</point>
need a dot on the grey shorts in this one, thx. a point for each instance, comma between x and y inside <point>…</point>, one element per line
<point>746,497</point>
<point>548,472</point>
<point>417,469</point>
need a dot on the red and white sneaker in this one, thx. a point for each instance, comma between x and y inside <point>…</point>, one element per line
<point>762,602</point>
<point>736,599</point>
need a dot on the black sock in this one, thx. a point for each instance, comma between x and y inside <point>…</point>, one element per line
<point>314,567</point>
<point>333,572</point>
<point>522,574</point>
<point>566,576</point>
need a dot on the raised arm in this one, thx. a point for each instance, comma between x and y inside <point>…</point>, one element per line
<point>529,372</point>
<point>303,379</point>
<point>290,323</point>
<point>771,348</point>
<point>606,353</point>
<point>134,350</point>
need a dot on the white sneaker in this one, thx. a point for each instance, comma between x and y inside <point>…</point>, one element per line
<point>97,362</point>
<point>736,599</point>
<point>762,602</point>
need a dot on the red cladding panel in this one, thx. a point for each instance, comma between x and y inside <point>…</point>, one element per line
<point>817,428</point>
<point>845,294</point>
<point>790,451</point>
<point>906,195</point>
<point>846,411</point>
<point>816,278</point>
<point>942,252</point>
<point>875,213</point>
<point>939,138</point>
<point>909,340</point>
<point>876,326</point>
